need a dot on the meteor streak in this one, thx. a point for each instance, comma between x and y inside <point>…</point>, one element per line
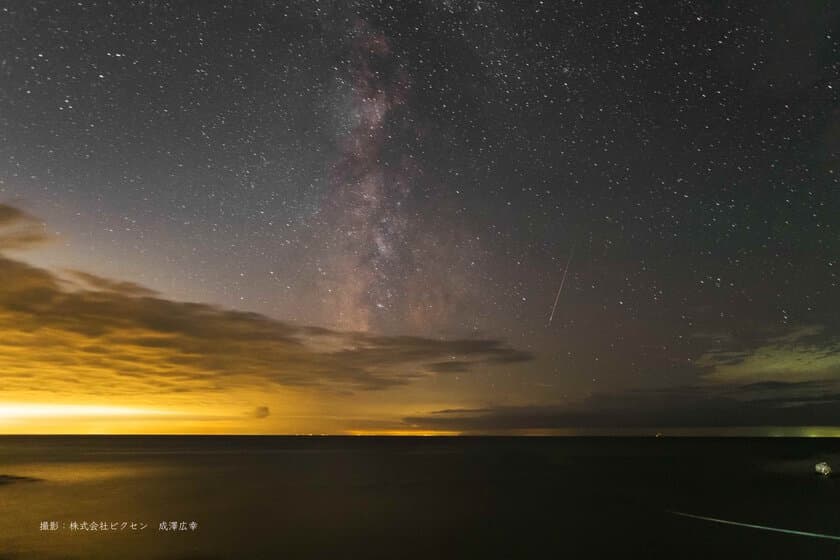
<point>562,282</point>
<point>762,527</point>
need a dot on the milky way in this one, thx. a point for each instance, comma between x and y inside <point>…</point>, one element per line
<point>387,259</point>
<point>366,207</point>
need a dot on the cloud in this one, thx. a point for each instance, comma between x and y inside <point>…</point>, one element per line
<point>95,282</point>
<point>11,479</point>
<point>770,404</point>
<point>19,230</point>
<point>261,412</point>
<point>739,374</point>
<point>745,373</point>
<point>801,353</point>
<point>84,334</point>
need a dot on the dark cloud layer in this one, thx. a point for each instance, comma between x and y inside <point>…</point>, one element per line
<point>762,404</point>
<point>87,334</point>
<point>739,374</point>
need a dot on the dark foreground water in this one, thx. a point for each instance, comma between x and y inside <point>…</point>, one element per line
<point>404,498</point>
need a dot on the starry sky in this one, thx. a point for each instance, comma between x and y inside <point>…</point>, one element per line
<point>419,217</point>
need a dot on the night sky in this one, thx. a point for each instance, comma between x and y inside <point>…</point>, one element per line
<point>356,217</point>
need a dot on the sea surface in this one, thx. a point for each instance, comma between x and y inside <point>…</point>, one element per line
<point>407,498</point>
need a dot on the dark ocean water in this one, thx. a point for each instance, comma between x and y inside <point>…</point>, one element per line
<point>406,498</point>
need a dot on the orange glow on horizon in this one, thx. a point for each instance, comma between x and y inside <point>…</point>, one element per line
<point>15,411</point>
